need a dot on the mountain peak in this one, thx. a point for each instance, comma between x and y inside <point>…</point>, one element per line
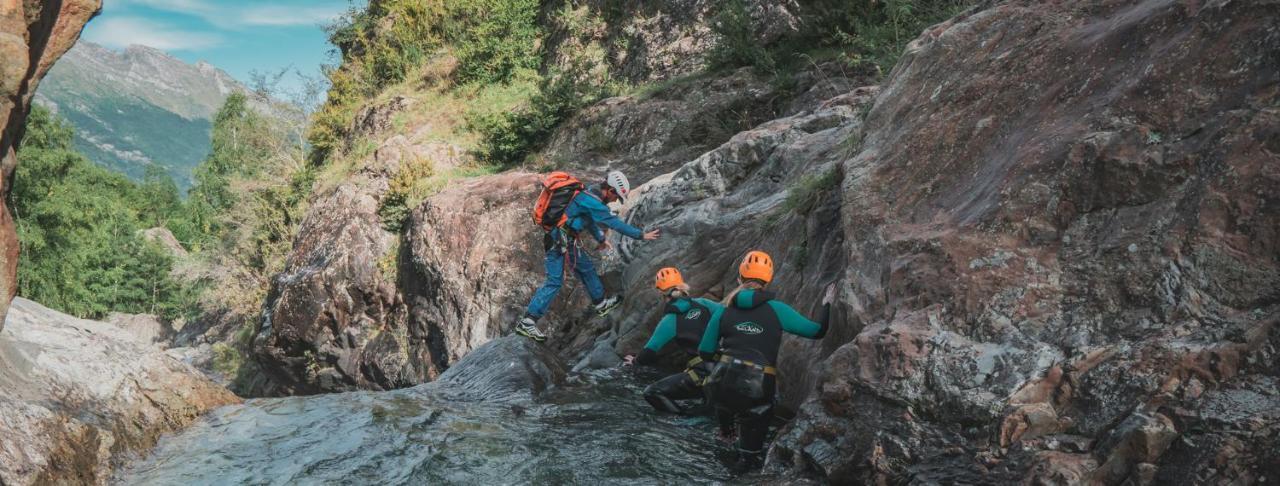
<point>141,105</point>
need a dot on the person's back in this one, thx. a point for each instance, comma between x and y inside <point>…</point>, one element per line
<point>683,324</point>
<point>747,335</point>
<point>751,326</point>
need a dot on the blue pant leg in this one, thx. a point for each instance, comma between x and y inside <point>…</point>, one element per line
<point>586,271</point>
<point>545,294</point>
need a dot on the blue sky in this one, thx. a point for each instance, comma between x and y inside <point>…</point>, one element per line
<point>239,36</point>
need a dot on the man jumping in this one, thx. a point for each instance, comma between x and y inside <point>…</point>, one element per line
<point>586,210</point>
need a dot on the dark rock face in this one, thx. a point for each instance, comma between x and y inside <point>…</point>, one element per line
<point>650,134</point>
<point>334,319</point>
<point>33,34</point>
<point>1060,236</point>
<point>506,368</point>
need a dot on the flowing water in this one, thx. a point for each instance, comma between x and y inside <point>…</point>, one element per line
<point>596,429</point>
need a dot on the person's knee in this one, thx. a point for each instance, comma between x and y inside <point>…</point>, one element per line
<point>553,282</point>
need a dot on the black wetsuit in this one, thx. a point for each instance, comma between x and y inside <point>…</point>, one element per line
<point>748,334</point>
<point>684,322</point>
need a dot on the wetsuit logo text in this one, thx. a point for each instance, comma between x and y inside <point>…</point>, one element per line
<point>749,328</point>
<point>693,314</point>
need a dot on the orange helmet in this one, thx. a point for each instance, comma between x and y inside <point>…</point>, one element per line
<point>667,278</point>
<point>756,266</point>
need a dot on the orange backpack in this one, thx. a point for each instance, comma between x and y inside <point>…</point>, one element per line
<point>558,189</point>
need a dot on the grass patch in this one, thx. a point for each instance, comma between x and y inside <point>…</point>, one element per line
<point>414,184</point>
<point>599,141</point>
<point>809,191</point>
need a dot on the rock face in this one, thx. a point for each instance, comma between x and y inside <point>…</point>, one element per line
<point>334,320</point>
<point>33,34</point>
<point>655,132</point>
<point>506,368</point>
<point>80,396</point>
<point>1054,231</point>
<point>1060,234</point>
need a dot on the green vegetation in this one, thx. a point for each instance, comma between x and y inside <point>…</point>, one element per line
<point>468,42</point>
<point>78,229</point>
<point>862,33</point>
<point>808,192</point>
<point>508,139</point>
<point>736,44</point>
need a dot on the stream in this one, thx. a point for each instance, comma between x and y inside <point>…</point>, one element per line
<point>595,429</point>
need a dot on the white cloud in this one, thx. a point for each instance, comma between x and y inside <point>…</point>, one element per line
<point>122,32</point>
<point>281,15</point>
<point>194,7</point>
<point>260,14</point>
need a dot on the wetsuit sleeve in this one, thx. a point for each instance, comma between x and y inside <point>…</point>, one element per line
<point>711,337</point>
<point>662,335</point>
<point>797,324</point>
<point>601,215</point>
<point>596,233</point>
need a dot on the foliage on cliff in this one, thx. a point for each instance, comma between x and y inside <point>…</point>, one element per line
<point>477,42</point>
<point>78,228</point>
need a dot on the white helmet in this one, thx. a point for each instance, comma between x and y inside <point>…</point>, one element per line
<point>618,181</point>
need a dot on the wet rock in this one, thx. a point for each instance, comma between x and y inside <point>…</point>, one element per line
<point>506,368</point>
<point>33,34</point>
<point>600,357</point>
<point>81,396</point>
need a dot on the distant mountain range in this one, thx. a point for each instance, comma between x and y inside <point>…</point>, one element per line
<point>139,106</point>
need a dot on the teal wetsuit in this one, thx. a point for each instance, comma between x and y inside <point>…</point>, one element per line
<point>748,334</point>
<point>684,322</point>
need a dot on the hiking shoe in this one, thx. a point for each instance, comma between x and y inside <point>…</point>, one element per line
<point>603,307</point>
<point>528,328</point>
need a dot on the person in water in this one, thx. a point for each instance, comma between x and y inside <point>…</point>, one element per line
<point>684,322</point>
<point>747,334</point>
<point>587,211</point>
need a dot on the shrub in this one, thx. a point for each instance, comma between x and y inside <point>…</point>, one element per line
<point>494,39</point>
<point>507,139</point>
<point>735,43</point>
<point>808,192</point>
<point>490,41</point>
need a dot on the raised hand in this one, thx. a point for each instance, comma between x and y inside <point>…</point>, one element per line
<point>830,296</point>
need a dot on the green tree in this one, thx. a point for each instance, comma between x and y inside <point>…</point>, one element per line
<point>78,230</point>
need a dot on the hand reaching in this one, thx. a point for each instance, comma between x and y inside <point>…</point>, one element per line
<point>830,296</point>
<point>629,360</point>
<point>652,235</point>
<point>605,245</point>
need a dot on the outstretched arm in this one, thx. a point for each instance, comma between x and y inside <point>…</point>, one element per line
<point>711,337</point>
<point>601,215</point>
<point>795,323</point>
<point>662,335</point>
